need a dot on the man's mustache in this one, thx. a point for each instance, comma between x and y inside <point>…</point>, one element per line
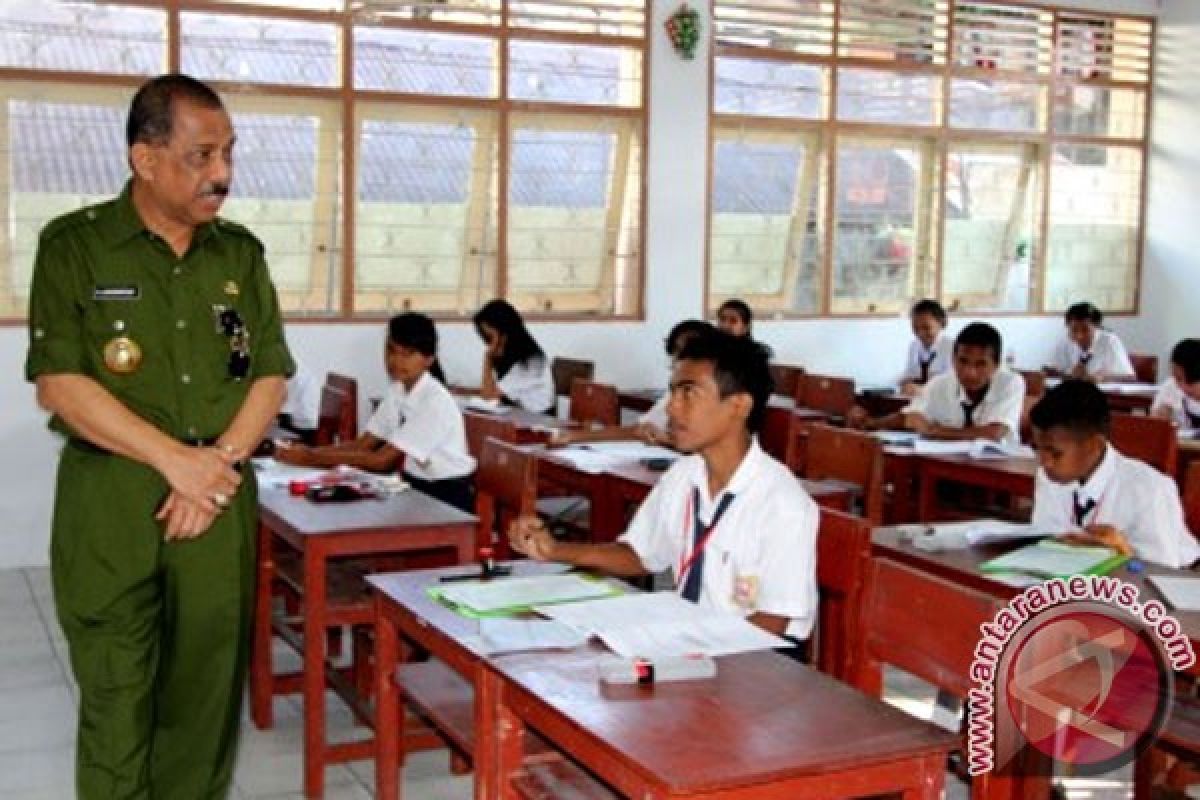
<point>217,189</point>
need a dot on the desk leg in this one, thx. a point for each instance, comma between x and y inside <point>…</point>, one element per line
<point>387,708</point>
<point>510,743</point>
<point>261,667</point>
<point>931,774</point>
<point>487,691</point>
<point>314,670</point>
<point>926,494</point>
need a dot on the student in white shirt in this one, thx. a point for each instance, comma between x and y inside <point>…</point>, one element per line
<point>651,427</point>
<point>515,369</point>
<point>978,399</point>
<point>1088,491</point>
<point>932,349</point>
<point>417,421</point>
<point>734,525</point>
<point>1179,398</point>
<point>302,406</point>
<point>1089,352</point>
<point>735,317</point>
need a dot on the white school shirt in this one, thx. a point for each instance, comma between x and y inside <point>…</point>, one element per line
<point>1172,398</point>
<point>1108,355</point>
<point>942,399</point>
<point>762,556</point>
<point>529,385</point>
<point>943,358</point>
<point>303,400</point>
<point>1129,495</point>
<point>427,426</point>
<point>656,416</point>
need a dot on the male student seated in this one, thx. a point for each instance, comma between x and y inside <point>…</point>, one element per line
<point>978,399</point>
<point>733,524</point>
<point>1086,489</point>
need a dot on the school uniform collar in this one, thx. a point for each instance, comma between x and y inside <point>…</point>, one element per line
<point>1098,483</point>
<point>743,477</point>
<point>962,397</point>
<point>404,393</point>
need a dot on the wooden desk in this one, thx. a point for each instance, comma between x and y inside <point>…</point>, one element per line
<point>880,404</point>
<point>605,521</point>
<point>639,400</point>
<point>765,727</point>
<point>780,423</point>
<point>1137,397</point>
<point>1012,475</point>
<point>406,522</point>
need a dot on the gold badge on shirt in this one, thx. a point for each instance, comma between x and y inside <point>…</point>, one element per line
<point>122,355</point>
<point>231,288</point>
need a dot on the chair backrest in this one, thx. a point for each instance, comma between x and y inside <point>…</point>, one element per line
<point>1035,382</point>
<point>843,559</point>
<point>336,421</point>
<point>1145,367</point>
<point>1150,439</point>
<point>852,456</point>
<point>825,393</point>
<point>894,627</point>
<point>1191,498</point>
<point>480,427</point>
<point>566,371</point>
<point>505,487</point>
<point>349,386</point>
<point>786,377</point>
<point>594,403</point>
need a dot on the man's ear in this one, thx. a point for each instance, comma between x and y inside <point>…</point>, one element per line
<point>143,160</point>
<point>743,404</point>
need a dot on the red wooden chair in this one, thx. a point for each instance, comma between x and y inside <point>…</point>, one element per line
<point>1150,439</point>
<point>843,559</point>
<point>1191,498</point>
<point>786,378</point>
<point>481,427</point>
<point>505,487</point>
<point>594,404</point>
<point>349,386</point>
<point>1145,367</point>
<point>565,371</point>
<point>825,393</point>
<point>849,456</point>
<point>337,421</point>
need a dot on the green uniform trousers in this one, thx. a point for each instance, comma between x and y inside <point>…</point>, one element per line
<point>158,631</point>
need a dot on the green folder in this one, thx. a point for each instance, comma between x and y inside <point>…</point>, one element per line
<point>1052,559</point>
<point>438,594</point>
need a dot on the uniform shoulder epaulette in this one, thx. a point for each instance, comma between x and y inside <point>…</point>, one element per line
<point>72,220</point>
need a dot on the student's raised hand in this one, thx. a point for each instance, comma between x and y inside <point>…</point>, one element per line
<point>1103,535</point>
<point>528,536</point>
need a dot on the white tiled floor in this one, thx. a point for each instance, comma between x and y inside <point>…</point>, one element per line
<point>37,719</point>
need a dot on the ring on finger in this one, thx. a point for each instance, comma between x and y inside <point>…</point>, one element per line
<point>221,499</point>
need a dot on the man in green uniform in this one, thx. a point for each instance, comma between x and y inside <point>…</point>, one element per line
<point>157,344</point>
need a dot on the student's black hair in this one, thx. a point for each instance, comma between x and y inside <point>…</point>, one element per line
<point>980,334</point>
<point>519,344</point>
<point>151,112</point>
<point>1186,356</point>
<point>683,331</point>
<point>738,307</point>
<point>931,307</point>
<point>1078,407</point>
<point>740,364</point>
<point>417,332</point>
<point>1084,312</point>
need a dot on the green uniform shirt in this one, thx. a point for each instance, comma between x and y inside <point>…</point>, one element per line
<point>100,274</point>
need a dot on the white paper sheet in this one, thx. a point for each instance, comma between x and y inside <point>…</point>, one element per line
<point>1182,593</point>
<point>477,403</point>
<point>522,635</point>
<point>631,451</point>
<point>502,593</point>
<point>938,447</point>
<point>277,476</point>
<point>982,449</point>
<point>662,624</point>
<point>988,531</point>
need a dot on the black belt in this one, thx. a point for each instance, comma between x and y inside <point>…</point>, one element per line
<point>190,441</point>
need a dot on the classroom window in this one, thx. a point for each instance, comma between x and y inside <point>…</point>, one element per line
<point>424,155</point>
<point>984,152</point>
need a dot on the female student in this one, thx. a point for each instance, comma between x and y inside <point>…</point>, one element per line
<point>1179,398</point>
<point>515,369</point>
<point>1089,352</point>
<point>418,422</point>
<point>932,349</point>
<point>735,317</point>
<point>652,426</point>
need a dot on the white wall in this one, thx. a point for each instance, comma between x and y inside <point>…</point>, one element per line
<point>630,354</point>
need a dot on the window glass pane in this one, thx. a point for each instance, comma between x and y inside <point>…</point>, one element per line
<point>575,74</point>
<point>470,12</point>
<point>765,244</point>
<point>425,235</point>
<point>897,98</point>
<point>311,5</point>
<point>285,190</point>
<point>603,17</point>
<point>397,60</point>
<point>996,105</point>
<point>65,148</point>
<point>1095,204</point>
<point>880,224</point>
<point>991,208</point>
<point>82,37</point>
<point>1100,111</point>
<point>574,242</point>
<point>769,88</point>
<point>258,49</point>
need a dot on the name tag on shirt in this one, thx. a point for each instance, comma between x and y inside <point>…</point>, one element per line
<point>116,293</point>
